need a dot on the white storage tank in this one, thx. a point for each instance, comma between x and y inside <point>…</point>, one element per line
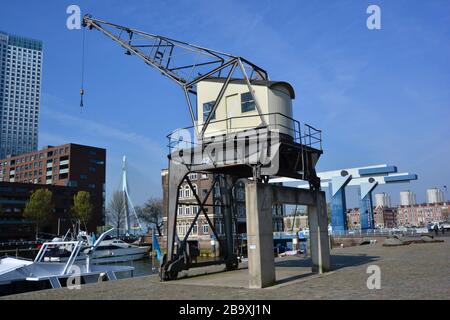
<point>435,195</point>
<point>237,109</point>
<point>407,198</point>
<point>382,200</point>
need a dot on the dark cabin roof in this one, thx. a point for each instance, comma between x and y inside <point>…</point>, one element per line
<point>266,83</point>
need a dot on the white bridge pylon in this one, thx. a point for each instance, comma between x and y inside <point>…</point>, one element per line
<point>128,203</point>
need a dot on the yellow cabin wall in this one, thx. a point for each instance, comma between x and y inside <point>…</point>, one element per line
<point>269,100</point>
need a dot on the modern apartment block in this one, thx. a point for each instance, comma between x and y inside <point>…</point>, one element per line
<point>68,165</point>
<point>20,89</point>
<point>201,233</point>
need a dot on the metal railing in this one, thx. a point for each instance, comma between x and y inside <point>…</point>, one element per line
<point>312,137</point>
<point>76,247</point>
<point>377,232</point>
<point>276,121</point>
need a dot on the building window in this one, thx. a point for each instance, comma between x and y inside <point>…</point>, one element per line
<point>218,225</point>
<point>193,176</point>
<point>207,108</point>
<point>240,192</point>
<point>180,230</point>
<point>205,229</point>
<point>217,207</point>
<point>180,193</point>
<point>180,210</point>
<point>216,189</point>
<point>187,192</point>
<point>195,229</point>
<point>247,102</point>
<point>195,189</point>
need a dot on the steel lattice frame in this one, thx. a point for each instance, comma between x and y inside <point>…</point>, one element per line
<point>184,63</point>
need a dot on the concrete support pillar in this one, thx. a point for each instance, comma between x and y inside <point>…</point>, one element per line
<point>260,197</point>
<point>318,234</point>
<point>261,265</point>
<point>177,171</point>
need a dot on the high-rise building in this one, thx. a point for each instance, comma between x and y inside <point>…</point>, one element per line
<point>407,198</point>
<point>20,89</point>
<point>435,195</point>
<point>382,200</point>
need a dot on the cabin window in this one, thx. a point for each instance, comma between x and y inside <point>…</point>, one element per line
<point>247,102</point>
<point>207,108</point>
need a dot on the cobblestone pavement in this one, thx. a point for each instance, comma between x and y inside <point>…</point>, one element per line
<point>416,271</point>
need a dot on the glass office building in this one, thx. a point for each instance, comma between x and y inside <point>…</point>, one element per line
<point>20,88</point>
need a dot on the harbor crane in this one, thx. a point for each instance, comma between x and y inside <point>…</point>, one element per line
<point>185,64</point>
<point>231,102</point>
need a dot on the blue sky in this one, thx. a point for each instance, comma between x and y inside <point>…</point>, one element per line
<point>380,96</point>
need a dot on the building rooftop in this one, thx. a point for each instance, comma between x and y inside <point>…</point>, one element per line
<point>23,42</point>
<point>265,83</point>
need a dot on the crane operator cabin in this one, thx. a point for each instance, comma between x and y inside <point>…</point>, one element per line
<point>237,109</point>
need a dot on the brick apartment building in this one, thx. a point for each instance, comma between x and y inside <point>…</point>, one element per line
<point>64,169</point>
<point>417,215</point>
<point>295,223</point>
<point>201,232</point>
<point>353,219</point>
<point>385,217</point>
<point>420,215</point>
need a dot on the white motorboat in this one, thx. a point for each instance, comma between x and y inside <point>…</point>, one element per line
<point>9,265</point>
<point>115,250</point>
<point>107,251</point>
<point>56,274</point>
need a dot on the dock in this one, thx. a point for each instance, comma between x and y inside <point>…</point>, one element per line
<point>416,271</point>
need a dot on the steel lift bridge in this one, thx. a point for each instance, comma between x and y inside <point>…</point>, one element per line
<point>231,144</point>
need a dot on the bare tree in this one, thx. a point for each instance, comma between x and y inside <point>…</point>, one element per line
<point>116,213</point>
<point>152,213</point>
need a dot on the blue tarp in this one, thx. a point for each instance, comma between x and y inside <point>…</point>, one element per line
<point>155,245</point>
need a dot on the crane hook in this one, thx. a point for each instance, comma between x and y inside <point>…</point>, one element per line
<point>81,96</point>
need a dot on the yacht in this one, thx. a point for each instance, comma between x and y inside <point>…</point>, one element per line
<point>20,275</point>
<point>116,250</point>
<point>107,251</point>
